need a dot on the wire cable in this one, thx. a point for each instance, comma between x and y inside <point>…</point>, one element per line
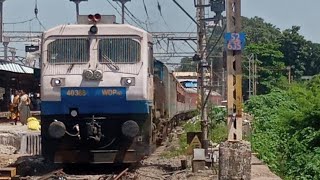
<point>145,8</point>
<point>132,17</point>
<point>160,11</point>
<point>36,11</point>
<point>21,22</point>
<point>212,48</point>
<point>115,8</point>
<point>205,49</point>
<point>41,23</point>
<point>208,95</point>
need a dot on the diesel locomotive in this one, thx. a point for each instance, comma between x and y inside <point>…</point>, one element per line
<point>104,97</point>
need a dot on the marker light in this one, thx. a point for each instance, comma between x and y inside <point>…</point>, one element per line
<point>128,81</point>
<point>74,113</point>
<point>97,17</point>
<point>90,18</point>
<point>94,18</point>
<point>57,82</point>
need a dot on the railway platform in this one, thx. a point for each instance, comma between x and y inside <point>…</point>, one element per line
<point>18,139</point>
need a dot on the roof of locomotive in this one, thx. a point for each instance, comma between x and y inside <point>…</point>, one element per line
<point>103,29</point>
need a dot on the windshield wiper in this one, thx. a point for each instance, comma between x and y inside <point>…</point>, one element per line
<point>111,63</point>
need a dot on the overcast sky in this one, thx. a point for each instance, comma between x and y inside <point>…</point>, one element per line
<point>282,13</point>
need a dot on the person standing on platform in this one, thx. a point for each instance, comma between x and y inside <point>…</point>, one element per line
<point>14,107</point>
<point>24,107</point>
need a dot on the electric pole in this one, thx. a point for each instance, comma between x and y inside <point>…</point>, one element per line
<point>234,155</point>
<point>252,85</point>
<point>1,19</point>
<point>123,2</point>
<point>202,66</point>
<point>5,43</point>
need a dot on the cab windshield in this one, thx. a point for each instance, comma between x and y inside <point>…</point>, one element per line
<point>119,50</point>
<point>68,51</point>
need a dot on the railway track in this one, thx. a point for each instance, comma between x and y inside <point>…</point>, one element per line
<point>61,175</point>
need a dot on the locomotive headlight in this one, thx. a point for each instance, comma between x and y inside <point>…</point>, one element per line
<point>93,29</point>
<point>128,81</point>
<point>88,74</point>
<point>97,74</point>
<point>57,82</point>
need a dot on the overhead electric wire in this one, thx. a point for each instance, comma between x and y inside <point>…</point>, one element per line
<point>36,14</point>
<point>115,8</point>
<point>137,21</point>
<point>133,16</point>
<point>160,11</point>
<point>145,9</point>
<point>205,49</point>
<point>21,22</point>
<point>41,23</point>
<point>212,48</point>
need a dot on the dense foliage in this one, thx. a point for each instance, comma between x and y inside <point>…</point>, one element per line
<point>277,51</point>
<point>286,130</point>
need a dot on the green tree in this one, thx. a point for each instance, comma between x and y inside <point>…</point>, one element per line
<point>187,65</point>
<point>258,31</point>
<point>296,50</point>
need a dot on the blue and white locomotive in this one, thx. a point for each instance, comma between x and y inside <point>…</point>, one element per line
<point>97,90</point>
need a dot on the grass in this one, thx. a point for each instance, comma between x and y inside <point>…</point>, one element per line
<point>217,134</point>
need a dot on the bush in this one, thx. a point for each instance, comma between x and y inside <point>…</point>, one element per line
<point>286,130</point>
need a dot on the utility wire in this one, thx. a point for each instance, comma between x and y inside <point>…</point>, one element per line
<point>160,11</point>
<point>145,9</point>
<point>222,32</point>
<point>137,21</point>
<point>41,23</point>
<point>212,48</point>
<point>36,11</point>
<point>20,22</point>
<point>213,31</point>
<point>115,8</point>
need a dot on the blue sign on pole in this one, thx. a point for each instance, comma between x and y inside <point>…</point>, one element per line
<point>235,41</point>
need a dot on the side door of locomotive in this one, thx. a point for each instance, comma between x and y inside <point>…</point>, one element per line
<point>150,71</point>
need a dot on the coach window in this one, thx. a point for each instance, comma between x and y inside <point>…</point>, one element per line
<point>119,50</point>
<point>68,51</point>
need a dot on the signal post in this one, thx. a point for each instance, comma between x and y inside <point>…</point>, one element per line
<point>234,154</point>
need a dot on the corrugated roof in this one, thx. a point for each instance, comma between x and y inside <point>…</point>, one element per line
<point>27,70</point>
<point>16,68</point>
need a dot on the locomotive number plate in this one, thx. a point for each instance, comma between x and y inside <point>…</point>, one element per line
<point>76,92</point>
<point>111,92</point>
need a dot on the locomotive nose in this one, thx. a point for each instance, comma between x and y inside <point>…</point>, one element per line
<point>57,129</point>
<point>130,129</point>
